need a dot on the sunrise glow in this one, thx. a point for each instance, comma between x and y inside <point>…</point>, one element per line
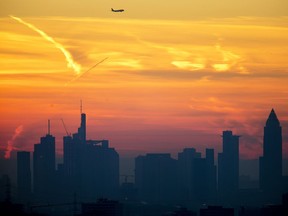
<point>165,84</point>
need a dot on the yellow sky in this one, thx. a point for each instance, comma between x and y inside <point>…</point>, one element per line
<point>147,9</point>
<point>166,84</point>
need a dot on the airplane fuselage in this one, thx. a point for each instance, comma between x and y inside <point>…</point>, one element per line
<point>118,10</point>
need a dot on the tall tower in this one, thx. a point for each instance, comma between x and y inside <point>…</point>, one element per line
<point>271,161</point>
<point>82,129</point>
<point>228,167</point>
<point>44,165</point>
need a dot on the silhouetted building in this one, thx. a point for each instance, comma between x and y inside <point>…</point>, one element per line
<point>91,167</point>
<point>155,178</point>
<point>211,169</point>
<point>103,207</point>
<point>186,174</point>
<point>72,152</point>
<point>196,177</point>
<point>44,167</point>
<point>100,170</point>
<point>228,168</point>
<point>82,129</point>
<point>23,176</point>
<point>72,163</point>
<point>271,161</point>
<point>7,207</point>
<point>216,211</point>
<point>5,189</point>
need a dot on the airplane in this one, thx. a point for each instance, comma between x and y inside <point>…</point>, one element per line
<point>119,10</point>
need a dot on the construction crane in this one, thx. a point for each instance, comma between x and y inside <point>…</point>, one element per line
<point>68,134</point>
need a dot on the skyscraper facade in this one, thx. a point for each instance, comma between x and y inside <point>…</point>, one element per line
<point>196,177</point>
<point>23,176</point>
<point>44,167</point>
<point>99,170</point>
<point>211,170</point>
<point>186,174</point>
<point>155,177</point>
<point>228,168</point>
<point>271,161</point>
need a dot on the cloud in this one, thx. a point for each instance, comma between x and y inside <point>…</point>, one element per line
<point>188,65</point>
<point>230,61</point>
<point>213,105</point>
<point>10,143</point>
<point>221,61</point>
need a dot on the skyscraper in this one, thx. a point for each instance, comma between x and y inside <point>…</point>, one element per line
<point>196,177</point>
<point>44,166</point>
<point>82,129</point>
<point>211,176</point>
<point>228,168</point>
<point>155,177</point>
<point>91,167</point>
<point>186,174</point>
<point>23,176</point>
<point>271,161</point>
<point>73,148</point>
<point>99,170</point>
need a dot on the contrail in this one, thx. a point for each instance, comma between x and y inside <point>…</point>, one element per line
<point>10,142</point>
<point>93,66</point>
<point>81,74</point>
<point>70,62</point>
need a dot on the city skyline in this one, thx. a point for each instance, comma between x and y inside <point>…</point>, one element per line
<point>90,170</point>
<point>169,76</point>
<point>248,166</point>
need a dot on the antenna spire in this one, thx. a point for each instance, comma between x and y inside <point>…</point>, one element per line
<point>48,126</point>
<point>81,106</point>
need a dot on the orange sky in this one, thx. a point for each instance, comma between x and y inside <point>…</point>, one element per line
<point>168,82</point>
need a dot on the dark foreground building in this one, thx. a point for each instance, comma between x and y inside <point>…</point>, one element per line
<point>103,207</point>
<point>216,211</point>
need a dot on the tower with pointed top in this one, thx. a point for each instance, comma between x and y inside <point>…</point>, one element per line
<point>271,162</point>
